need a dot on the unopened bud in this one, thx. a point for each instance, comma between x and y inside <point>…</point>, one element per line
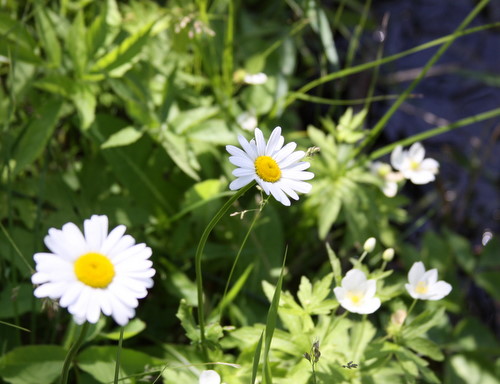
<point>399,317</point>
<point>388,254</point>
<point>369,244</point>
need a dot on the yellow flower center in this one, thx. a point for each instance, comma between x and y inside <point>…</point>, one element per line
<point>355,297</point>
<point>421,288</point>
<point>267,169</point>
<point>94,269</point>
<point>414,165</point>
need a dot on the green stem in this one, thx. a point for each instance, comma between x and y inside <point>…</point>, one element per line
<point>252,224</point>
<point>72,353</point>
<point>436,131</point>
<point>199,254</point>
<point>118,356</point>
<point>377,129</point>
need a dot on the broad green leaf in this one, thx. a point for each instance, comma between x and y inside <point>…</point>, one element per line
<point>489,256</point>
<point>100,363</point>
<point>488,280</point>
<point>84,99</point>
<point>34,364</point>
<point>75,43</point>
<point>37,134</point>
<point>192,117</point>
<point>471,369</point>
<point>179,151</point>
<point>123,137</point>
<point>328,214</point>
<point>362,333</point>
<point>335,263</point>
<point>425,347</point>
<point>121,58</point>
<point>96,33</point>
<point>133,328</point>
<point>48,37</point>
<point>16,42</point>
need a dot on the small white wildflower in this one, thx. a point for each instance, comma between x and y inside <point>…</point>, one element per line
<point>390,178</point>
<point>357,294</point>
<point>255,78</point>
<point>413,165</point>
<point>424,285</point>
<point>247,121</point>
<point>209,377</point>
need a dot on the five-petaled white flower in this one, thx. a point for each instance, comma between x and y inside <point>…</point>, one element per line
<point>276,168</point>
<point>413,165</point>
<point>94,272</point>
<point>209,377</point>
<point>357,294</point>
<point>425,285</point>
<point>390,178</point>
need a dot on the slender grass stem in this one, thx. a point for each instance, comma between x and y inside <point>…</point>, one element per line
<point>199,254</point>
<point>377,129</point>
<point>72,353</point>
<point>118,356</point>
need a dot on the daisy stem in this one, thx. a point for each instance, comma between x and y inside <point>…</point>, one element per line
<point>252,224</point>
<point>118,355</point>
<point>199,254</point>
<point>72,352</point>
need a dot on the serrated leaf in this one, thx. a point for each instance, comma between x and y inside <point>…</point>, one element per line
<point>185,315</point>
<point>422,323</point>
<point>40,364</point>
<point>335,263</point>
<point>327,215</point>
<point>37,134</point>
<point>96,33</point>
<point>123,137</point>
<point>425,347</point>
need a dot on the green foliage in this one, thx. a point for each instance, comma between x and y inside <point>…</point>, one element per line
<point>125,109</point>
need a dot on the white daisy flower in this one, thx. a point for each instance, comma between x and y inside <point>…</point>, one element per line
<point>357,294</point>
<point>247,121</point>
<point>413,165</point>
<point>209,377</point>
<point>276,168</point>
<point>93,271</point>
<point>424,285</point>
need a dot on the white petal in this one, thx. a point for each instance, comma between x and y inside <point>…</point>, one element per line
<point>397,157</point>
<point>124,243</point>
<point>274,141</point>
<point>416,152</point>
<point>96,230</point>
<point>416,272</point>
<point>112,239</point>
<point>422,177</point>
<point>353,280</point>
<point>439,290</point>
<point>209,377</point>
<point>293,158</point>
<point>241,182</point>
<point>70,296</point>
<point>242,172</point>
<point>285,152</point>
<point>369,306</point>
<point>248,147</point>
<point>241,161</point>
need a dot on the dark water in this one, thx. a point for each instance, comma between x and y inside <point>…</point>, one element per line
<point>469,181</point>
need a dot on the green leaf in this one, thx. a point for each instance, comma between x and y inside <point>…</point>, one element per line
<point>48,37</point>
<point>75,43</point>
<point>185,315</point>
<point>488,280</point>
<point>16,42</point>
<point>121,58</point>
<point>425,347</point>
<point>37,134</point>
<point>125,136</point>
<point>422,323</point>
<point>312,297</point>
<point>34,364</point>
<point>180,152</point>
<point>85,103</point>
<point>96,33</point>
<point>319,23</point>
<point>328,214</point>
<point>16,300</point>
<point>133,328</point>
<point>335,263</point>
<point>100,362</point>
<point>471,369</point>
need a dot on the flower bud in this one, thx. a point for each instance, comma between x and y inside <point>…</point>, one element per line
<point>369,244</point>
<point>388,254</point>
